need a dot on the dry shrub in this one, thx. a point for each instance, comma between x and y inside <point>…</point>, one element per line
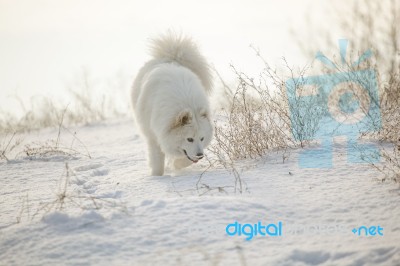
<point>390,111</point>
<point>50,149</point>
<point>390,132</point>
<point>391,167</point>
<point>258,118</point>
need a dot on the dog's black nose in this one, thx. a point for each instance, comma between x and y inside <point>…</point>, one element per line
<point>199,155</point>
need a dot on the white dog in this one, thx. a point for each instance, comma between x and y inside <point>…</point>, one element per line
<point>169,98</point>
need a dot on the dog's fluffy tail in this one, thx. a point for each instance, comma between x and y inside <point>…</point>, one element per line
<point>184,51</point>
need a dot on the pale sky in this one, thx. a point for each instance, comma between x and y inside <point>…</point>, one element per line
<point>44,44</point>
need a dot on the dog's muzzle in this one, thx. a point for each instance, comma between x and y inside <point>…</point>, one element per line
<point>199,156</point>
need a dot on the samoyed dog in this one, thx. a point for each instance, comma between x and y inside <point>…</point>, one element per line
<point>170,102</point>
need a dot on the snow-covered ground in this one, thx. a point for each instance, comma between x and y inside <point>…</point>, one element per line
<point>114,213</point>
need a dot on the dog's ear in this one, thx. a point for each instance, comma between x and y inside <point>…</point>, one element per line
<point>183,118</point>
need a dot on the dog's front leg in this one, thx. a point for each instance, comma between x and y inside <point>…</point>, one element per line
<point>156,159</point>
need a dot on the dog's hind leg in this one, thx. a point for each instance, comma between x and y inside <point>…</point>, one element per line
<point>156,159</point>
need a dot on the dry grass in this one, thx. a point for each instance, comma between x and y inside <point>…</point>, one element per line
<point>391,166</point>
<point>89,101</point>
<point>8,144</point>
<point>390,111</point>
<point>11,146</point>
<point>43,113</point>
<point>390,132</point>
<point>49,148</point>
<point>39,150</point>
<point>65,198</point>
<point>258,121</point>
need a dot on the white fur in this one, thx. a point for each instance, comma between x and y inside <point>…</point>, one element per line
<point>170,102</point>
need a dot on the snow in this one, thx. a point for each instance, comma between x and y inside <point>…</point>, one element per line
<point>115,213</point>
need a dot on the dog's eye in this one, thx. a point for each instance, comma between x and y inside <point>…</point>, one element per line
<point>190,139</point>
<point>202,139</point>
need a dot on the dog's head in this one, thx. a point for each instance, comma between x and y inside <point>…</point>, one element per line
<point>192,132</point>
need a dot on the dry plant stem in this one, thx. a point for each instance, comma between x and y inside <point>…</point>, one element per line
<point>60,125</point>
<point>65,198</point>
<point>3,151</point>
<point>80,142</point>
